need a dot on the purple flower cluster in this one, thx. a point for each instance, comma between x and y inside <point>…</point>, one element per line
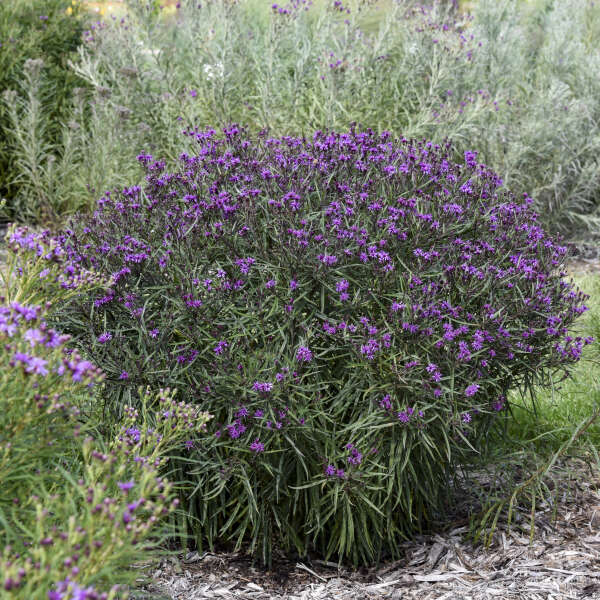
<point>332,471</point>
<point>247,426</point>
<point>69,589</point>
<point>45,246</point>
<point>292,8</point>
<point>303,354</point>
<point>104,337</point>
<point>29,342</point>
<point>262,386</point>
<point>339,6</point>
<point>355,457</point>
<point>257,446</point>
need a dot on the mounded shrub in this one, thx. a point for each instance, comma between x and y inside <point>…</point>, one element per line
<point>351,308</point>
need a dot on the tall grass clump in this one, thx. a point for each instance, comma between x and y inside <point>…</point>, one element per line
<point>518,81</point>
<point>79,502</point>
<point>351,308</point>
<point>34,35</point>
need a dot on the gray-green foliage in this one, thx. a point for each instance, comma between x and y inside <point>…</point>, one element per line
<point>30,31</point>
<point>528,78</point>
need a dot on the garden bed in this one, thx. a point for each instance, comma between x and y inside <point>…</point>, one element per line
<point>562,561</point>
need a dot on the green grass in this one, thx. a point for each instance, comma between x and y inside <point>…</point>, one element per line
<point>559,409</point>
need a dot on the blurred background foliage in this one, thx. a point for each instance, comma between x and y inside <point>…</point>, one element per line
<point>50,30</point>
<point>518,81</point>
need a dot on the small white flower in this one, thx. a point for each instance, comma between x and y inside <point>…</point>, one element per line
<point>213,71</point>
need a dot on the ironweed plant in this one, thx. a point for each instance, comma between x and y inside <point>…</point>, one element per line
<point>76,511</point>
<point>352,309</point>
<point>517,82</point>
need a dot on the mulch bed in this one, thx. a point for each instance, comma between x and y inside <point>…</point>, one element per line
<point>562,561</point>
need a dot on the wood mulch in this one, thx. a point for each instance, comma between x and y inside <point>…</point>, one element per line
<point>562,561</point>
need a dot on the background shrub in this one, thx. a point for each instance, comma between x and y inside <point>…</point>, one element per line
<point>352,309</point>
<point>516,80</point>
<point>47,32</point>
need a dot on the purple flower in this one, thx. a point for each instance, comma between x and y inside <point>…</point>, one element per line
<point>463,353</point>
<point>234,431</point>
<point>262,386</point>
<point>34,336</point>
<point>21,357</point>
<point>244,264</point>
<point>68,588</point>
<point>32,364</point>
<point>342,285</point>
<point>472,389</point>
<point>330,471</point>
<point>125,486</point>
<point>134,434</point>
<point>403,417</point>
<point>327,259</point>
<point>104,337</point>
<point>467,188</point>
<point>370,348</point>
<point>355,457</point>
<point>471,158</point>
<point>386,402</point>
<point>220,347</point>
<point>124,375</point>
<point>270,284</point>
<point>257,446</point>
<point>304,354</point>
<point>499,404</point>
<point>37,366</point>
<point>466,417</point>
